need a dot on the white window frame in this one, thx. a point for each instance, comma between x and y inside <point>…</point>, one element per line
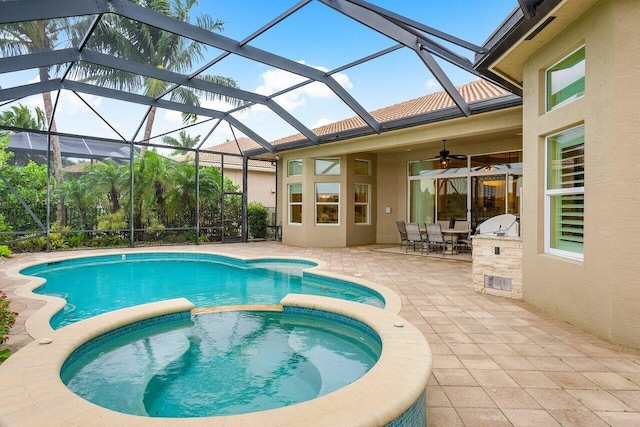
<point>549,194</point>
<point>317,203</point>
<point>315,164</point>
<point>367,204</point>
<point>291,204</point>
<point>546,83</point>
<point>289,167</point>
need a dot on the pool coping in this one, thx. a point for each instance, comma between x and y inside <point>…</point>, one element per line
<point>37,325</point>
<point>35,395</point>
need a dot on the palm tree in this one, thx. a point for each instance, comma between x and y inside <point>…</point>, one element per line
<point>80,198</point>
<point>21,117</point>
<point>149,187</point>
<point>153,46</point>
<point>184,141</point>
<point>181,195</point>
<point>39,36</point>
<point>111,179</point>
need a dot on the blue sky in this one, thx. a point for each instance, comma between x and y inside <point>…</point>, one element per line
<point>319,37</point>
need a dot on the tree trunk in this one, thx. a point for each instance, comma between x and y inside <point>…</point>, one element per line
<point>114,198</point>
<point>55,148</point>
<point>147,129</point>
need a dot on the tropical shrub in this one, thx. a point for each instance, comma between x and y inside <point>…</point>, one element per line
<point>58,236</point>
<point>113,221</point>
<point>258,219</point>
<point>4,228</point>
<point>108,241</point>
<point>5,251</point>
<point>7,320</point>
<point>75,240</point>
<point>33,244</point>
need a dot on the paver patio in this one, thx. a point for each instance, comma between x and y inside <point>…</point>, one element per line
<point>496,361</point>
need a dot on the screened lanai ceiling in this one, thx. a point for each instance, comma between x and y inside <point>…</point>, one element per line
<point>123,62</point>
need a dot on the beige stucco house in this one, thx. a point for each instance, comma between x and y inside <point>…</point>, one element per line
<point>580,77</point>
<point>563,159</point>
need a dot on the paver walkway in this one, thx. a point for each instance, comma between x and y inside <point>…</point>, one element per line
<point>496,361</point>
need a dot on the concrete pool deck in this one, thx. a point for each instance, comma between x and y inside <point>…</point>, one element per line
<point>496,361</point>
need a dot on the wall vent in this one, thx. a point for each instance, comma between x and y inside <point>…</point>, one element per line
<point>497,282</point>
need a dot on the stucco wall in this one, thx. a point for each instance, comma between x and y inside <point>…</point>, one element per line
<point>361,234</point>
<point>261,185</point>
<point>600,293</point>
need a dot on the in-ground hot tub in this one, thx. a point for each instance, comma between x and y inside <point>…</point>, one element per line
<point>221,362</point>
<point>392,392</point>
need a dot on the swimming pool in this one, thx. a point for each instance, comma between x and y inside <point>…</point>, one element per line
<point>95,285</point>
<point>223,363</point>
<point>392,392</point>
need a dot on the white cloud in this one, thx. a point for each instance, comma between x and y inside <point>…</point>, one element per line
<point>70,104</point>
<point>276,80</point>
<point>173,116</point>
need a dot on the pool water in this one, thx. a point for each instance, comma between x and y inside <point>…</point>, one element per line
<point>96,285</point>
<point>223,363</point>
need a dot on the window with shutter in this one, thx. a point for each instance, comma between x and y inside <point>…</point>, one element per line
<point>565,193</point>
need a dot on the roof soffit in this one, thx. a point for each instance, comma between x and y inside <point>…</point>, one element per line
<point>508,48</point>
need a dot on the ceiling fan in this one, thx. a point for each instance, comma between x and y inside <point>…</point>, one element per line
<point>446,156</point>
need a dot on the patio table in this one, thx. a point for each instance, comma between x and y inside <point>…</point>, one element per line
<point>454,234</point>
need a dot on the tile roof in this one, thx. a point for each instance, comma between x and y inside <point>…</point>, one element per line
<point>230,161</point>
<point>478,90</point>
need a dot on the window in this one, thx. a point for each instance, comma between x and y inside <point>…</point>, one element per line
<point>362,204</point>
<point>327,166</point>
<point>327,203</point>
<point>565,80</point>
<point>565,193</point>
<point>295,167</point>
<point>361,167</point>
<point>295,203</point>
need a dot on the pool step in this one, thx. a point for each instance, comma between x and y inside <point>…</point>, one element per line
<point>252,307</point>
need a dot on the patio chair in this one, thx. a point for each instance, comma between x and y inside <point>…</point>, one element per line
<point>435,238</point>
<point>463,241</point>
<point>444,223</point>
<point>403,232</point>
<point>414,236</point>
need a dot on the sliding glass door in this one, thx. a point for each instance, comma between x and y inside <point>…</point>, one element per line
<point>488,195</point>
<point>422,201</point>
<point>452,199</point>
<point>437,199</point>
<point>489,186</point>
